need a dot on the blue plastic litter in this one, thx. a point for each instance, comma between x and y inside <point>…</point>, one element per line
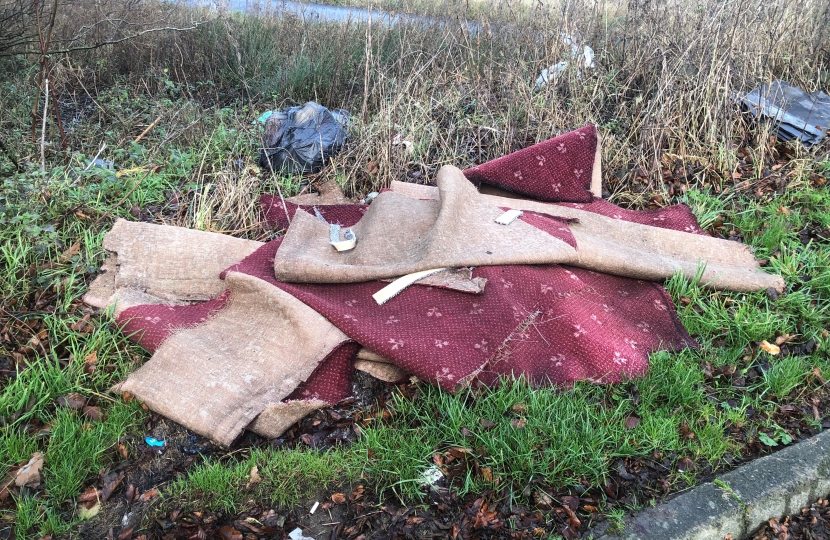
<point>101,163</point>
<point>264,117</point>
<point>152,441</point>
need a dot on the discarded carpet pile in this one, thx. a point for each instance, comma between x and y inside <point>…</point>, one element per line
<point>255,336</point>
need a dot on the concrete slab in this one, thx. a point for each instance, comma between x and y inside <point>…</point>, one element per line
<point>769,487</point>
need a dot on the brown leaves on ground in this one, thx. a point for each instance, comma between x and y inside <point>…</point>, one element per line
<point>632,422</point>
<point>809,523</point>
<point>486,424</point>
<point>70,252</point>
<point>26,475</point>
<point>769,347</point>
<point>149,495</point>
<point>29,474</point>
<point>229,533</point>
<point>72,400</point>
<point>90,362</point>
<point>253,478</point>
<point>357,493</point>
<point>92,413</point>
<point>91,499</point>
<point>519,408</point>
<point>570,504</point>
<point>685,464</point>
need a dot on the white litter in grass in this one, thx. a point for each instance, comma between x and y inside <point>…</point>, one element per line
<point>297,534</point>
<point>314,507</point>
<point>431,476</point>
<point>582,56</point>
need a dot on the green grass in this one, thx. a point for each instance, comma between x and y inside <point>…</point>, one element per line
<point>569,437</point>
<point>38,223</point>
<point>287,477</point>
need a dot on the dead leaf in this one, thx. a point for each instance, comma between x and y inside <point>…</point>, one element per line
<point>770,348</point>
<point>727,370</point>
<point>93,413</point>
<point>126,534</point>
<point>338,498</point>
<point>518,423</point>
<point>784,210</point>
<point>29,474</point>
<point>90,362</point>
<point>254,477</point>
<point>466,432</point>
<point>519,408</point>
<point>483,517</point>
<point>685,464</point>
<point>784,338</point>
<point>6,482</point>
<point>357,493</point>
<point>111,483</point>
<point>229,533</point>
<point>632,422</point>
<point>72,400</point>
<point>487,474</point>
<point>486,424</point>
<point>685,430</point>
<point>90,494</point>
<point>70,252</point>
<point>127,397</point>
<point>88,513</point>
<point>573,521</point>
<point>148,495</point>
<point>543,500</point>
<point>372,168</point>
<point>122,450</point>
<point>570,501</point>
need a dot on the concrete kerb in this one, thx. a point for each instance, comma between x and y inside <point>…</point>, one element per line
<point>737,502</point>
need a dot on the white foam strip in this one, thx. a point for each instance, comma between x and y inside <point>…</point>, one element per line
<point>508,217</point>
<point>394,288</point>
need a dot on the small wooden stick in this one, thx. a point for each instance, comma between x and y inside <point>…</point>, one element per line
<point>43,128</point>
<point>146,131</point>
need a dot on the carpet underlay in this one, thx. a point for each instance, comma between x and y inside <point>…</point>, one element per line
<point>249,335</point>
